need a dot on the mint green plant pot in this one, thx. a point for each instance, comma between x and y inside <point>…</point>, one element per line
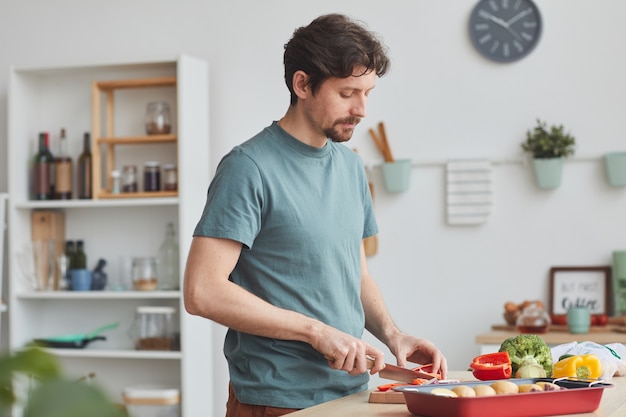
<point>615,163</point>
<point>548,172</point>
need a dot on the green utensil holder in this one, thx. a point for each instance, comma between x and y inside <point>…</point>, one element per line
<point>396,175</point>
<point>615,163</point>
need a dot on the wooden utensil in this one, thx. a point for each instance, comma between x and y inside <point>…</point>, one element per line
<point>383,138</point>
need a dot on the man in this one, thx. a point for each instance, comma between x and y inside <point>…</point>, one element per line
<point>278,257</point>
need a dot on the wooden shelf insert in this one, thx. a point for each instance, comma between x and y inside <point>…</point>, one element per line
<point>134,140</point>
<point>140,194</point>
<point>110,140</point>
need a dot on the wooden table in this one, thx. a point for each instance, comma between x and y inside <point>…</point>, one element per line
<point>613,404</point>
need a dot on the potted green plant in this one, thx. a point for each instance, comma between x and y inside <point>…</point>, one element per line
<point>548,147</point>
<point>52,394</point>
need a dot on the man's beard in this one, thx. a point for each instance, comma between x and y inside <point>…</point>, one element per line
<point>343,135</point>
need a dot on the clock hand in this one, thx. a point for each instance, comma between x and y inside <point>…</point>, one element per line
<point>498,21</point>
<point>506,26</point>
<point>518,16</point>
<point>502,23</point>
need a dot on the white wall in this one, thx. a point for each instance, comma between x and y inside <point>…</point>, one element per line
<point>441,100</point>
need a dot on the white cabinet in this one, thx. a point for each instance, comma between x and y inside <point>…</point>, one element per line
<point>47,99</point>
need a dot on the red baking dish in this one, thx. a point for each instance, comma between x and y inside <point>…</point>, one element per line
<point>579,397</point>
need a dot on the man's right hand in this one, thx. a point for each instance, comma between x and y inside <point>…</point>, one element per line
<point>346,352</point>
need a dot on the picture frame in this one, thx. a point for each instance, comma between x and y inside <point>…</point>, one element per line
<point>580,286</point>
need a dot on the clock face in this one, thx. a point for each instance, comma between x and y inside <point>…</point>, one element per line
<point>505,30</point>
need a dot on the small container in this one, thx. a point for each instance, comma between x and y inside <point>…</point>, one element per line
<point>170,177</point>
<point>152,401</point>
<point>129,179</point>
<point>144,274</point>
<point>158,118</point>
<point>534,319</point>
<point>116,180</point>
<point>151,176</point>
<point>153,328</point>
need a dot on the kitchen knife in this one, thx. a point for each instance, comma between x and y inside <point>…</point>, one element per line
<point>397,373</point>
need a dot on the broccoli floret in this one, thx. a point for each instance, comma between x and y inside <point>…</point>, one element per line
<point>528,349</point>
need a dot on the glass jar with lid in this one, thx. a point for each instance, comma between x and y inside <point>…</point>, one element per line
<point>154,328</point>
<point>129,179</point>
<point>534,319</point>
<point>151,176</point>
<point>144,274</point>
<point>170,177</point>
<point>158,118</point>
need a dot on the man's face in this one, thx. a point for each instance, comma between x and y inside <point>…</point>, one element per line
<point>340,104</point>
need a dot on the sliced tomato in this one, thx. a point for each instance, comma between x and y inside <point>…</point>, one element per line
<point>492,366</point>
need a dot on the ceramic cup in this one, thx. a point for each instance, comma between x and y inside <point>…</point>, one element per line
<point>578,320</point>
<point>81,279</point>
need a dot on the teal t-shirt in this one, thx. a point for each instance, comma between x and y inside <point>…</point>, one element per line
<point>301,213</point>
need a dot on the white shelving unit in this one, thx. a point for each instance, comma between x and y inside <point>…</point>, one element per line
<point>3,227</point>
<point>48,99</point>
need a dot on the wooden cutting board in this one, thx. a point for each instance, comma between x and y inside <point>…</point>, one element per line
<point>386,397</point>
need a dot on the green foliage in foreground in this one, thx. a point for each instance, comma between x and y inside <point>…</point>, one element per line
<point>53,395</point>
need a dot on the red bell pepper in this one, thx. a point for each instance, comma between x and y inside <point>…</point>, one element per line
<point>492,366</point>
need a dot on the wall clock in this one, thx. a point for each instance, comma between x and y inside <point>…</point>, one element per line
<point>505,30</point>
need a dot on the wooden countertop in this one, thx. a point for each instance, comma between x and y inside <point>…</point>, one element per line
<point>554,337</point>
<point>613,404</point>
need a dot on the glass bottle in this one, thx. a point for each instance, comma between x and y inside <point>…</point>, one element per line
<point>84,169</point>
<point>70,253</point>
<point>43,168</point>
<point>169,260</point>
<point>116,182</point>
<point>80,257</point>
<point>63,171</point>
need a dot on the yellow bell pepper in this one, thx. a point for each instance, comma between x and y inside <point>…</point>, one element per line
<point>579,366</point>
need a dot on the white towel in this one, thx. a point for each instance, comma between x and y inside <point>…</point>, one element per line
<point>469,191</point>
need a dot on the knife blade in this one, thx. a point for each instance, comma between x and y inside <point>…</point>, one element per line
<point>397,373</point>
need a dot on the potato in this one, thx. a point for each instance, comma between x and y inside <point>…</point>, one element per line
<point>549,386</point>
<point>530,388</point>
<point>443,392</point>
<point>484,390</point>
<point>505,387</point>
<point>464,391</point>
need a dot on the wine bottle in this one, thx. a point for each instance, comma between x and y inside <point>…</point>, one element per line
<point>63,171</point>
<point>50,168</point>
<point>70,253</point>
<point>80,257</point>
<point>84,169</point>
<point>169,261</point>
<point>42,169</point>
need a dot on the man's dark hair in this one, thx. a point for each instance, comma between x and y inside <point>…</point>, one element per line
<point>332,45</point>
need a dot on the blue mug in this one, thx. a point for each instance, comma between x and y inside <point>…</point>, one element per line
<point>81,279</point>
